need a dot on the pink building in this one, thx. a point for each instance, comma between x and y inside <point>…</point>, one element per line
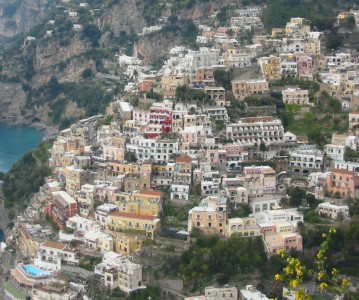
<point>283,241</point>
<point>304,66</point>
<point>103,191</point>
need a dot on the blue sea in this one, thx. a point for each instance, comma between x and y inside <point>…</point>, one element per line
<point>14,142</point>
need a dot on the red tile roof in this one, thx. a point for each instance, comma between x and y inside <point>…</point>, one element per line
<point>354,113</point>
<point>52,244</point>
<point>151,193</point>
<point>183,159</point>
<point>342,171</point>
<point>133,216</point>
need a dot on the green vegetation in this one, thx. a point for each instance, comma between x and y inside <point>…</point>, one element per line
<point>89,262</point>
<point>184,93</point>
<point>26,176</point>
<point>223,78</point>
<point>351,155</point>
<point>212,257</point>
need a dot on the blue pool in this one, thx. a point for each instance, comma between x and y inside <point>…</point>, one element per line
<point>31,270</point>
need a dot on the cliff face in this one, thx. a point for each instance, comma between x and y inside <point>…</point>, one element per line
<point>65,53</point>
<point>19,16</point>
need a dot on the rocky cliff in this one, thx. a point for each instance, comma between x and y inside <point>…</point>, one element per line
<point>60,51</point>
<point>19,16</point>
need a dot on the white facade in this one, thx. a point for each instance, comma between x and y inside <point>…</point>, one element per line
<point>336,152</point>
<point>332,211</point>
<point>118,271</point>
<point>180,191</point>
<point>306,159</point>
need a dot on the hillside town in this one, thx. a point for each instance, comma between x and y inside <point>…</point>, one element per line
<point>195,136</point>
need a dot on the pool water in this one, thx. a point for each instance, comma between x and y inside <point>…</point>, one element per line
<point>31,270</point>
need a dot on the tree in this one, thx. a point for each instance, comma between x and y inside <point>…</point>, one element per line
<point>87,73</point>
<point>295,272</point>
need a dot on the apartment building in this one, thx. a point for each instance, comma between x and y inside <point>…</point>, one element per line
<point>288,65</point>
<point>159,150</point>
<point>116,270</point>
<point>217,94</point>
<point>121,221</point>
<point>251,293</point>
<point>51,255</point>
<point>270,67</point>
<point>160,120</point>
<point>253,130</point>
<point>170,83</point>
<point>98,241</point>
<point>75,178</point>
<point>210,217</point>
<point>52,291</point>
<point>333,211</point>
<point>125,243</point>
<point>354,122</point>
<point>305,159</point>
<point>343,182</point>
<point>312,46</point>
<point>292,45</point>
<point>259,180</point>
<point>183,170</point>
<point>103,211</point>
<point>197,120</point>
<point>216,113</point>
<point>245,88</point>
<point>61,207</point>
<point>112,153</point>
<point>237,58</point>
<point>304,66</point>
<point>295,96</point>
<point>264,203</point>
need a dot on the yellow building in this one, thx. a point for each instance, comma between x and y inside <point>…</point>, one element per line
<point>126,244</point>
<point>245,88</point>
<point>170,83</point>
<point>121,167</point>
<point>312,46</point>
<point>121,221</point>
<point>244,227</point>
<point>147,203</point>
<point>75,178</point>
<point>270,67</point>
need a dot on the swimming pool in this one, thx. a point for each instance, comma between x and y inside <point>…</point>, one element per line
<point>31,270</point>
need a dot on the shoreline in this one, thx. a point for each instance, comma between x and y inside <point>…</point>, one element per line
<point>48,131</point>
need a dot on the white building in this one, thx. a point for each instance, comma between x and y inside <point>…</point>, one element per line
<point>51,255</point>
<point>118,271</point>
<point>251,293</point>
<point>180,191</point>
<point>264,203</point>
<point>336,152</point>
<point>332,211</point>
<point>306,159</point>
<point>251,131</point>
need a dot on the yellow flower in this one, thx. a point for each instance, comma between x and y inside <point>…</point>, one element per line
<point>334,271</point>
<point>324,235</point>
<point>323,286</point>
<point>332,230</point>
<point>278,277</point>
<point>345,283</point>
<point>294,283</point>
<point>320,276</point>
<point>281,253</point>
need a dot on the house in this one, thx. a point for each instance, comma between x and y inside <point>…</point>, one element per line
<point>251,293</point>
<point>270,67</point>
<point>295,96</point>
<point>51,255</point>
<point>342,182</point>
<point>286,241</point>
<point>118,271</point>
<point>333,211</point>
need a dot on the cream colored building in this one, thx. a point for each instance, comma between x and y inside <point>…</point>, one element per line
<point>245,88</point>
<point>295,96</point>
<point>243,227</point>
